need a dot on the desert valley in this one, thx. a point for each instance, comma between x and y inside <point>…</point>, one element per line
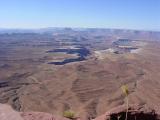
<point>54,70</point>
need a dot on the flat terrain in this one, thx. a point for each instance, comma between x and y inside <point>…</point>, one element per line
<point>88,86</point>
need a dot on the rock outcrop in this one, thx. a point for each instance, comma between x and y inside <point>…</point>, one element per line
<point>135,112</point>
<point>7,113</point>
<point>118,113</point>
<point>40,116</point>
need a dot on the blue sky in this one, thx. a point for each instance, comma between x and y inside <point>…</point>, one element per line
<point>128,14</point>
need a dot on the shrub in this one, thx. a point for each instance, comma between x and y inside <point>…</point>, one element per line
<point>69,114</point>
<point>126,93</point>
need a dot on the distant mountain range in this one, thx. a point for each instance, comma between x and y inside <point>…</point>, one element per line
<point>135,34</point>
<point>52,29</point>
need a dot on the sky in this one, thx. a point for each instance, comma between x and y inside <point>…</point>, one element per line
<point>127,14</point>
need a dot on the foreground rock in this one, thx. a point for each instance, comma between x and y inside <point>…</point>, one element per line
<point>7,113</point>
<point>40,116</point>
<point>135,112</point>
<point>118,113</point>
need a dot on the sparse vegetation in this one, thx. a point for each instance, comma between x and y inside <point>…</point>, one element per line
<point>126,93</point>
<point>69,114</point>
